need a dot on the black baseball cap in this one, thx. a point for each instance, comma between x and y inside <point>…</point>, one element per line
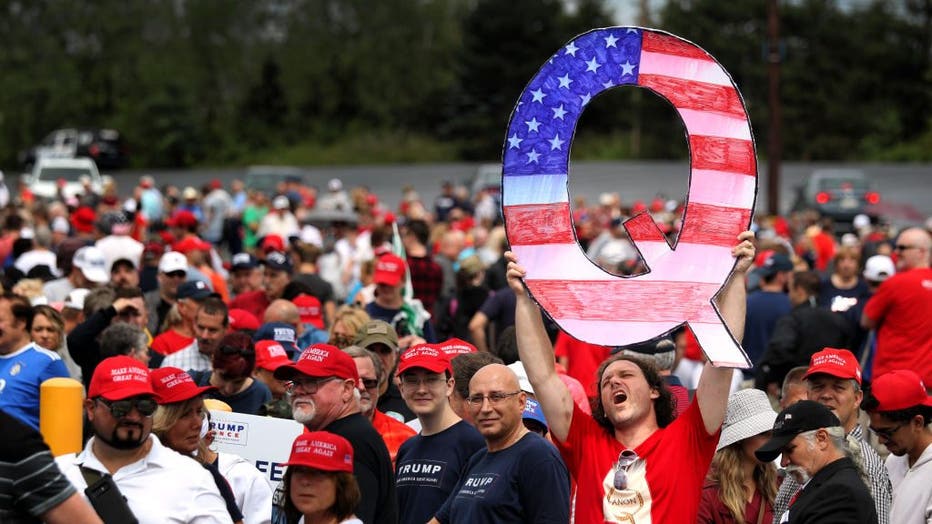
<point>278,261</point>
<point>244,261</point>
<point>194,289</point>
<point>803,416</point>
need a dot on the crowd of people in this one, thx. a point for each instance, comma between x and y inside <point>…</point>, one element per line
<point>430,385</point>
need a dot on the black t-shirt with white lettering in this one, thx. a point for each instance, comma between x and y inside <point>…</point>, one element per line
<point>526,482</point>
<point>428,468</point>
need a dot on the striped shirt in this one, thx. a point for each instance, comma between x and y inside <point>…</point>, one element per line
<point>30,482</point>
<point>880,487</point>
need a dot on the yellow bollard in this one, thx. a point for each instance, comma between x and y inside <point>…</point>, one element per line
<point>61,414</point>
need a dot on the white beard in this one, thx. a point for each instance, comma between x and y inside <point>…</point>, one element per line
<point>801,475</point>
<point>305,412</point>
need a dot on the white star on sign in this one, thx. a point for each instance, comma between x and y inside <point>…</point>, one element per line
<point>571,49</point>
<point>532,124</point>
<point>514,142</point>
<point>538,95</point>
<point>585,98</point>
<point>610,41</point>
<point>556,143</point>
<point>627,68</point>
<point>592,65</point>
<point>565,81</point>
<point>558,112</point>
<point>632,30</point>
<point>608,84</point>
<point>532,157</point>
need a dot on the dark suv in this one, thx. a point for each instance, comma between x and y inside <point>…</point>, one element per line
<point>104,146</point>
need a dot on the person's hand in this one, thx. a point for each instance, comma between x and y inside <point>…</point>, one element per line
<point>744,251</point>
<point>121,305</point>
<point>410,340</point>
<point>515,273</point>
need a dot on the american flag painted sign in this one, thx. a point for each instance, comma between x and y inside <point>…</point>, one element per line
<point>585,301</point>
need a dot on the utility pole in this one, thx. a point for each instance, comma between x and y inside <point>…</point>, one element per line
<point>774,139</point>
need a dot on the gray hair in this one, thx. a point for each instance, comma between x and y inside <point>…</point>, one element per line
<point>663,359</point>
<point>122,339</point>
<point>361,352</point>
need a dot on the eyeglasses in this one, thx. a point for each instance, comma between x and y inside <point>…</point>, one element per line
<point>370,383</point>
<point>309,385</point>
<point>625,459</point>
<point>176,274</point>
<point>120,408</point>
<point>904,247</point>
<point>494,399</point>
<point>413,381</point>
<point>340,341</point>
<point>887,433</point>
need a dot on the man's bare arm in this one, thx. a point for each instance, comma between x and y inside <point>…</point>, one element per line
<point>715,383</point>
<point>536,354</point>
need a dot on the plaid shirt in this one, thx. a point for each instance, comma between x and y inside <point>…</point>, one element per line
<point>880,487</point>
<point>426,279</point>
<point>188,359</point>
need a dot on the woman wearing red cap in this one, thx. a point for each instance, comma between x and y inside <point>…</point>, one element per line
<point>181,423</point>
<point>319,484</point>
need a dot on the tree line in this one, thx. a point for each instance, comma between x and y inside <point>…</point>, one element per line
<point>209,81</point>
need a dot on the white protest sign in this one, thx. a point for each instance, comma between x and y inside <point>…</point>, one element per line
<point>264,441</point>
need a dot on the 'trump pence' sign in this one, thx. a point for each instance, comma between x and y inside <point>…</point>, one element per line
<point>585,301</point>
<point>264,441</point>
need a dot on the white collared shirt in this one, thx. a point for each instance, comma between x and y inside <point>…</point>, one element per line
<point>162,487</point>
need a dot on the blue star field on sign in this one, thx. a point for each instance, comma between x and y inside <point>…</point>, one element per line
<point>545,117</point>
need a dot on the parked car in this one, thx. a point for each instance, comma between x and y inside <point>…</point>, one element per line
<point>267,178</point>
<point>50,173</point>
<point>104,146</point>
<point>840,194</point>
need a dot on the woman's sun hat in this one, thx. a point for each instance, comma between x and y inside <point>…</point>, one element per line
<point>748,414</point>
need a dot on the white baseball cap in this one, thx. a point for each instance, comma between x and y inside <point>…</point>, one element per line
<point>173,261</point>
<point>281,202</point>
<point>75,299</point>
<point>879,268</point>
<point>93,264</point>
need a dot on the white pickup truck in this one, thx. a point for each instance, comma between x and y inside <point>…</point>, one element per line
<point>48,173</point>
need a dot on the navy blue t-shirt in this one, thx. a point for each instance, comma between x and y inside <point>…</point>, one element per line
<point>526,482</point>
<point>763,310</point>
<point>247,401</point>
<point>428,468</point>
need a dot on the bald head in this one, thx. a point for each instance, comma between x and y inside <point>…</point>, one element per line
<point>913,247</point>
<point>498,374</point>
<point>282,310</point>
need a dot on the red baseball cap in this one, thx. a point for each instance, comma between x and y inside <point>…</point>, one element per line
<point>309,309</point>
<point>83,219</point>
<point>183,218</point>
<point>389,270</point>
<point>173,385</point>
<point>426,356</point>
<point>271,355</point>
<point>116,378</point>
<point>455,346</point>
<point>273,243</point>
<point>322,450</point>
<point>242,319</point>
<point>839,363</point>
<point>899,389</point>
<point>191,243</point>
<point>321,360</point>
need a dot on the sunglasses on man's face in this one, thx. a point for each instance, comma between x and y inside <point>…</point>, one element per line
<point>120,408</point>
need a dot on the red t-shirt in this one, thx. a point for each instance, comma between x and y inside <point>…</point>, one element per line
<point>903,308</point>
<point>584,360</point>
<point>664,484</point>
<point>170,341</point>
<point>253,301</point>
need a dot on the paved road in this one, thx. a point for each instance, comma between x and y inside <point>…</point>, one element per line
<point>906,189</point>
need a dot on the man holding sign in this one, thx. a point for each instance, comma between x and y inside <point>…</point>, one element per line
<point>631,460</point>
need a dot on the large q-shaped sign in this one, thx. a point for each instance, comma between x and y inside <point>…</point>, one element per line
<point>585,301</point>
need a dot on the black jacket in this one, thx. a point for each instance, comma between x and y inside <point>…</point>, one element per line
<point>836,494</point>
<point>806,330</point>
